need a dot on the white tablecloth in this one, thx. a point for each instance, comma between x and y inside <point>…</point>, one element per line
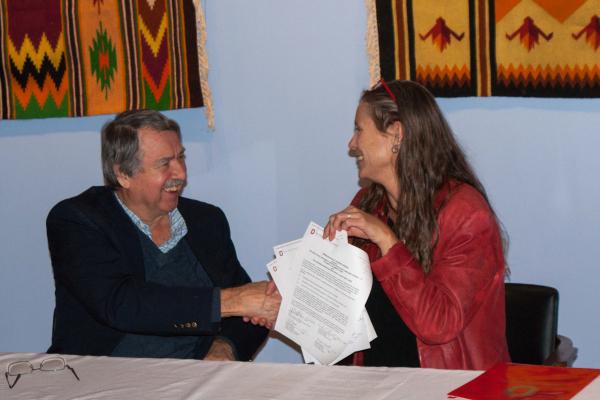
<point>137,378</point>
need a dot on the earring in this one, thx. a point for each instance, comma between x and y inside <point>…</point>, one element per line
<point>396,145</point>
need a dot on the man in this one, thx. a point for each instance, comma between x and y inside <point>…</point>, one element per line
<point>141,271</point>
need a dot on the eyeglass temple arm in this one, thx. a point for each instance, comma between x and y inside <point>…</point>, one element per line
<point>14,383</point>
<point>73,371</point>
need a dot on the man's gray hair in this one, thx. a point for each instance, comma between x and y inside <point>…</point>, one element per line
<point>121,145</point>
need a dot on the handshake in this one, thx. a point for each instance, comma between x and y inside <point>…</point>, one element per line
<point>257,302</point>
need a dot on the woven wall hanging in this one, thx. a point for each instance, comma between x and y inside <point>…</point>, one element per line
<point>68,58</point>
<point>542,48</point>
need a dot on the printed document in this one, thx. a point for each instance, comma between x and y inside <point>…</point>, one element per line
<point>324,287</point>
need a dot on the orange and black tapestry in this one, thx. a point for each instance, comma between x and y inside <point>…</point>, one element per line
<point>64,58</point>
<point>530,48</point>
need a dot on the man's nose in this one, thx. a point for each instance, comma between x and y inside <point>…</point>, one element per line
<point>178,168</point>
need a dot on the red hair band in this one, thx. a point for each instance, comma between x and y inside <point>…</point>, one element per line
<point>387,89</point>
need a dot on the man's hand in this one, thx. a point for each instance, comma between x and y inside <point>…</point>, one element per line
<point>220,350</point>
<point>251,301</point>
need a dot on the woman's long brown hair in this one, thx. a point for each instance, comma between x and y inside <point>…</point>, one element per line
<point>429,156</point>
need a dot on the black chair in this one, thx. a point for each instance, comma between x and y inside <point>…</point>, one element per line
<point>531,326</point>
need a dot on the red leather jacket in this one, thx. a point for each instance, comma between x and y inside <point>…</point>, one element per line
<point>457,310</point>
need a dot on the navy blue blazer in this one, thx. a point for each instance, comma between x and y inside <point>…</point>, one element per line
<point>101,292</point>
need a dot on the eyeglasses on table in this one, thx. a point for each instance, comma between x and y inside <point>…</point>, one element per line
<point>19,368</point>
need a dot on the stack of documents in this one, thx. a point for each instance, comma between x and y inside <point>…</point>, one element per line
<point>324,286</point>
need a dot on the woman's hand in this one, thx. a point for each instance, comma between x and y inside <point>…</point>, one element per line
<point>362,225</point>
<point>271,291</point>
<point>257,302</point>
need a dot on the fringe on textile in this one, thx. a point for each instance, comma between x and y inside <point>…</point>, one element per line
<point>203,65</point>
<point>372,40</point>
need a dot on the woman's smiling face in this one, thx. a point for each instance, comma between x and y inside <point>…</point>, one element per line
<point>373,148</point>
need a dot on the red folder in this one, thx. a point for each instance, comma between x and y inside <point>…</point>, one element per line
<point>526,382</point>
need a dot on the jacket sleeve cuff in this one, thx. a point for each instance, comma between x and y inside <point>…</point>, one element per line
<point>397,257</point>
<point>215,316</point>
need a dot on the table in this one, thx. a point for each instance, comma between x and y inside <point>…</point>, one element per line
<point>145,378</point>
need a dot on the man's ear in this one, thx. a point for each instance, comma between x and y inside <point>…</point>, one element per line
<point>122,178</point>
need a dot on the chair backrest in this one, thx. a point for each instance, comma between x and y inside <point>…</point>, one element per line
<point>531,322</point>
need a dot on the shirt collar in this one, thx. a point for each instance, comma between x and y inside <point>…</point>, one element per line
<point>178,226</point>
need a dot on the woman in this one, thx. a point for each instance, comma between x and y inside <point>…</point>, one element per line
<point>431,235</point>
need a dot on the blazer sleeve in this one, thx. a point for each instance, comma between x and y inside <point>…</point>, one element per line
<point>468,255</point>
<point>104,273</point>
<point>245,337</point>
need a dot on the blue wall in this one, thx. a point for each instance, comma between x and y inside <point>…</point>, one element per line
<point>286,76</point>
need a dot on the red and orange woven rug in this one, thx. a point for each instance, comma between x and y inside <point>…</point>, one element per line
<point>542,48</point>
<point>85,57</point>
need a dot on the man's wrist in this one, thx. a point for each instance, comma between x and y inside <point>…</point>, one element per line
<point>230,306</point>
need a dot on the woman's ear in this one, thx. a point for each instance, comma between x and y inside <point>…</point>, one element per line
<point>396,130</point>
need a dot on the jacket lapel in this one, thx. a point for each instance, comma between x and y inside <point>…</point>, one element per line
<point>126,233</point>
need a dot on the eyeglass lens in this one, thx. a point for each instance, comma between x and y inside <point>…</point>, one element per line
<point>52,364</point>
<point>20,368</point>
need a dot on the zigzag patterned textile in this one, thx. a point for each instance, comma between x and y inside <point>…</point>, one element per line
<point>529,48</point>
<point>86,57</point>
